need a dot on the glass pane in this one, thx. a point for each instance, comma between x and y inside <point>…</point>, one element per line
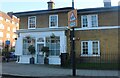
<point>94,21</point>
<point>54,45</point>
<point>85,23</point>
<point>95,47</point>
<point>57,52</point>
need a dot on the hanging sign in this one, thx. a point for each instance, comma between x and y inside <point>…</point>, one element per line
<point>72,18</point>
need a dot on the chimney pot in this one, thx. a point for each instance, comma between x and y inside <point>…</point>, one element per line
<point>107,3</point>
<point>50,5</point>
<point>10,14</point>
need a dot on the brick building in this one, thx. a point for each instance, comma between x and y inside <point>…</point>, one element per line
<point>8,26</point>
<point>96,34</point>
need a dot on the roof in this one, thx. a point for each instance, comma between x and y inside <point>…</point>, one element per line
<point>67,9</point>
<point>99,9</point>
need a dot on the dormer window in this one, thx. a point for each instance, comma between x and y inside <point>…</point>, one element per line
<point>32,22</point>
<point>53,21</point>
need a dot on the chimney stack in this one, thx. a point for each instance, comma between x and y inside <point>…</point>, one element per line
<point>10,14</point>
<point>107,3</point>
<point>50,5</point>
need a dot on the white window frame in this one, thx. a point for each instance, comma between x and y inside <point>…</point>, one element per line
<point>89,20</point>
<point>1,34</point>
<point>8,28</point>
<point>8,35</point>
<point>55,49</point>
<point>14,29</point>
<point>50,22</point>
<point>29,22</point>
<point>1,18</point>
<point>1,26</point>
<point>90,48</point>
<point>7,20</point>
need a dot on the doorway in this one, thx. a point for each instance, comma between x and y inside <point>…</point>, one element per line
<point>40,55</point>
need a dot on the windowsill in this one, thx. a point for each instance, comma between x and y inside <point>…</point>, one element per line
<point>53,27</point>
<point>89,27</point>
<point>54,56</point>
<point>90,55</point>
<point>31,28</point>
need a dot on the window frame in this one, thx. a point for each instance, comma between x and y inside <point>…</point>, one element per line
<point>2,26</point>
<point>90,48</point>
<point>26,44</point>
<point>29,22</point>
<point>1,34</point>
<point>49,43</point>
<point>89,20</point>
<point>50,21</point>
<point>1,18</point>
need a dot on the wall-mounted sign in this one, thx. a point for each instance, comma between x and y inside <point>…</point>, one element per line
<point>72,18</point>
<point>7,42</point>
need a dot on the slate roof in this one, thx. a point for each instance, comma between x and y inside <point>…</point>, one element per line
<point>67,9</point>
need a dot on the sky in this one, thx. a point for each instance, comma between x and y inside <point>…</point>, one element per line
<point>31,5</point>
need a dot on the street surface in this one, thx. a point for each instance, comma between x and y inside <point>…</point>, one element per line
<point>51,71</point>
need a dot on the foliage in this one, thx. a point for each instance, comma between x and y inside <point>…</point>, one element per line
<point>45,50</point>
<point>31,49</point>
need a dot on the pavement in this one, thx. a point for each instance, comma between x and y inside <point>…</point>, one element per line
<point>36,70</point>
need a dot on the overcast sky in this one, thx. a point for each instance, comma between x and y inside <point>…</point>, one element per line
<point>30,5</point>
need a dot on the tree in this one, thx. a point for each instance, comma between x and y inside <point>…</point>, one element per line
<point>31,49</point>
<point>46,51</point>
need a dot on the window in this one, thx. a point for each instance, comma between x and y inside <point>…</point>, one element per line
<point>13,44</point>
<point>0,49</point>
<point>8,35</point>
<point>1,26</point>
<point>40,40</point>
<point>53,21</point>
<point>14,36</point>
<point>26,44</point>
<point>54,45</point>
<point>7,20</point>
<point>32,22</point>
<point>89,21</point>
<point>1,34</point>
<point>85,48</point>
<point>0,42</point>
<point>1,18</point>
<point>85,21</point>
<point>14,29</point>
<point>90,48</point>
<point>16,24</point>
<point>8,28</point>
<point>13,22</point>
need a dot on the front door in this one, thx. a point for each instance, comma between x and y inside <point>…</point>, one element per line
<point>40,56</point>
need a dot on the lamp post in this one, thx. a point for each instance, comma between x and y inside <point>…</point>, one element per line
<point>72,23</point>
<point>73,47</point>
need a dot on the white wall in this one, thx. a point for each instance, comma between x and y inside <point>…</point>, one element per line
<point>18,46</point>
<point>52,60</point>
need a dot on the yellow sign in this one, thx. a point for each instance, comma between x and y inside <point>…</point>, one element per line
<point>72,18</point>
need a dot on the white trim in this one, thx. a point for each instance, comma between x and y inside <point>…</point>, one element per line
<point>90,55</point>
<point>28,22</point>
<point>90,50</point>
<point>89,20</point>
<point>94,28</point>
<point>50,21</point>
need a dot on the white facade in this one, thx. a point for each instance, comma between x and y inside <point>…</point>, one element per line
<point>42,33</point>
